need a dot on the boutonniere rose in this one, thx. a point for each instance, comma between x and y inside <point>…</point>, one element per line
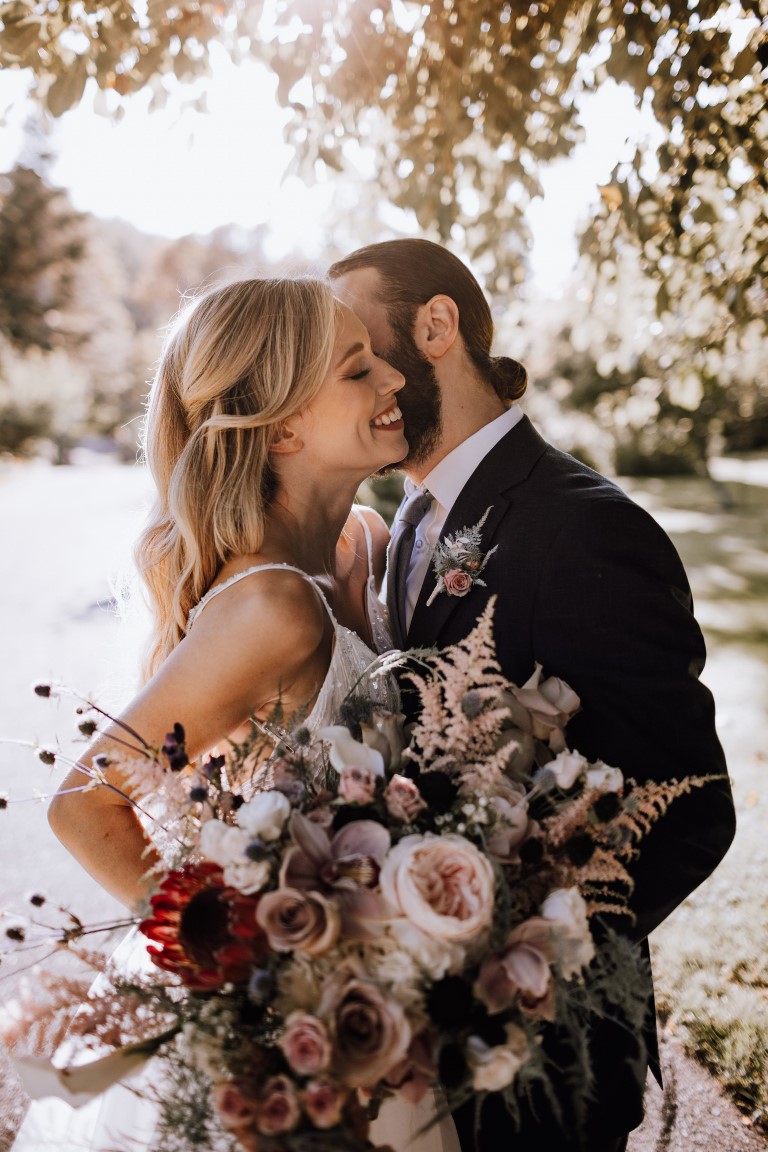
<point>458,560</point>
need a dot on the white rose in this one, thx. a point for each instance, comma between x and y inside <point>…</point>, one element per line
<point>396,968</point>
<point>265,815</point>
<point>605,779</point>
<point>437,957</point>
<point>493,1069</point>
<point>247,876</point>
<point>567,767</point>
<point>566,908</point>
<point>222,844</point>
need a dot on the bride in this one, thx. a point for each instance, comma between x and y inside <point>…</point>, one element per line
<point>267,411</point>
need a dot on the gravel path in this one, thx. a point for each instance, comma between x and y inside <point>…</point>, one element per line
<point>692,1112</point>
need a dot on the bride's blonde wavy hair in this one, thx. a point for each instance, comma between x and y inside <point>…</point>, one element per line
<point>242,359</point>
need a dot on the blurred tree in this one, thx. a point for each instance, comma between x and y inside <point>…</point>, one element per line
<point>464,99</point>
<point>42,390</point>
<point>41,243</point>
<point>461,103</point>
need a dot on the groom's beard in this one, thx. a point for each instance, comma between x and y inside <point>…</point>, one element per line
<point>419,401</point>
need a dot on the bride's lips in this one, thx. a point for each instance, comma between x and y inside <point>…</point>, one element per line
<point>391,420</point>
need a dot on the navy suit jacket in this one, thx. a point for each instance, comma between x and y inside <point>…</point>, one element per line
<point>589,585</point>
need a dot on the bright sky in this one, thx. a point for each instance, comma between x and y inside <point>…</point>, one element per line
<point>173,173</point>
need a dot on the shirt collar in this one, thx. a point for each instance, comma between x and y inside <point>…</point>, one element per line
<point>447,479</point>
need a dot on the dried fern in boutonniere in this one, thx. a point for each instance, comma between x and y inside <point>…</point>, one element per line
<point>458,560</point>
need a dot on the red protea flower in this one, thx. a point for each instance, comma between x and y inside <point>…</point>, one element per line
<point>206,932</point>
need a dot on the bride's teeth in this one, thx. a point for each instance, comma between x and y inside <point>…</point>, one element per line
<point>386,418</point>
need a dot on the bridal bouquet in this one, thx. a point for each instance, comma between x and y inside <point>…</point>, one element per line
<point>372,915</point>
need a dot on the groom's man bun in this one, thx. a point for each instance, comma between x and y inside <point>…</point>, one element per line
<point>412,272</point>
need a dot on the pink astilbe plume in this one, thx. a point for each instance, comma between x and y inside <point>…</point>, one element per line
<point>457,728</point>
<point>573,817</point>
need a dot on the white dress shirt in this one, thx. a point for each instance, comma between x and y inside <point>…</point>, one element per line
<point>445,482</point>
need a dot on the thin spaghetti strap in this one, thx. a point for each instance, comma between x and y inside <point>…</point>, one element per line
<point>360,517</point>
<point>250,572</point>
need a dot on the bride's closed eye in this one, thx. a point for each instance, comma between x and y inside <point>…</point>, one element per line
<point>361,375</point>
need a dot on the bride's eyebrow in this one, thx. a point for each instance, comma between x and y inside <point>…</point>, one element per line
<point>350,353</point>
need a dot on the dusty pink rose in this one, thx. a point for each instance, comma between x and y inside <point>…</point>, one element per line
<point>370,1031</point>
<point>323,1102</point>
<point>521,971</point>
<point>403,799</point>
<point>235,1103</point>
<point>456,582</point>
<point>305,1044</point>
<point>513,825</point>
<point>357,784</point>
<point>298,921</point>
<point>566,910</point>
<point>442,884</point>
<point>549,704</point>
<point>279,1109</point>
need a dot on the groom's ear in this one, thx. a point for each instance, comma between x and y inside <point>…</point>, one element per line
<point>436,327</point>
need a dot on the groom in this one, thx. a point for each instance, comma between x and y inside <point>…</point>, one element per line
<point>587,584</point>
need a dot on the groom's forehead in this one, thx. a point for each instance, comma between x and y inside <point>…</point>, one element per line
<point>361,290</point>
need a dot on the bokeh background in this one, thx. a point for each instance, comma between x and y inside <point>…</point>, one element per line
<point>600,166</point>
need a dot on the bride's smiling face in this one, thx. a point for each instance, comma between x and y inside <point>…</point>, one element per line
<point>354,423</point>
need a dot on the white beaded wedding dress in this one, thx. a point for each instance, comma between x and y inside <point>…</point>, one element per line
<point>125,1117</point>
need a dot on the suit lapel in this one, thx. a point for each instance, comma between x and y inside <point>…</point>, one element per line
<point>508,464</point>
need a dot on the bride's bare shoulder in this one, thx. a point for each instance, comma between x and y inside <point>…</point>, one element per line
<point>277,606</point>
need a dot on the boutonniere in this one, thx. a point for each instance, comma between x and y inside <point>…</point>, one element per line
<point>458,561</point>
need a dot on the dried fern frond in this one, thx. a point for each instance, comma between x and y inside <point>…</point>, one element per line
<point>38,1019</point>
<point>642,806</point>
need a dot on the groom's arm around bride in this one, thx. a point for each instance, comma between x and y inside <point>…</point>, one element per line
<point>587,584</point>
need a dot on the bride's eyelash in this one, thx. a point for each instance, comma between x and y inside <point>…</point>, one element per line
<point>361,375</point>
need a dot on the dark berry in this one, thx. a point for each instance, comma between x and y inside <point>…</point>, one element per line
<point>606,806</point>
<point>579,848</point>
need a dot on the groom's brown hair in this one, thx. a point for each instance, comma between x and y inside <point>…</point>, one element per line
<point>412,272</point>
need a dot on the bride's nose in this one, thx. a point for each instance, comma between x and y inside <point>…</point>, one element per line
<point>391,380</point>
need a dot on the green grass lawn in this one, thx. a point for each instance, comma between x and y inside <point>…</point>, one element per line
<point>711,956</point>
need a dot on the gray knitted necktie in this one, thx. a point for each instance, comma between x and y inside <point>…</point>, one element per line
<point>398,559</point>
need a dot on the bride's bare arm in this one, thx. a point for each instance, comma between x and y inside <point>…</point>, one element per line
<point>263,639</point>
